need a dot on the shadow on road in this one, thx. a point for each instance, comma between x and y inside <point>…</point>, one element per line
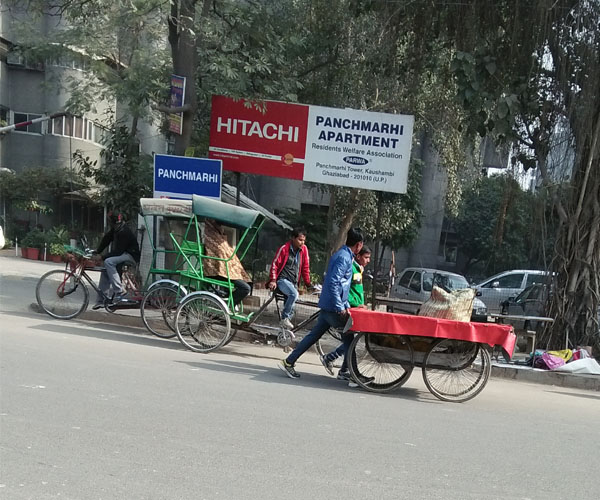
<point>271,374</point>
<point>120,334</point>
<point>577,395</point>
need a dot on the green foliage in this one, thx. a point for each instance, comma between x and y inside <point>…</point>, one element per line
<point>314,221</point>
<point>28,186</point>
<point>57,249</point>
<point>494,226</point>
<point>120,43</point>
<point>58,235</point>
<point>124,174</point>
<point>34,239</point>
<point>401,213</point>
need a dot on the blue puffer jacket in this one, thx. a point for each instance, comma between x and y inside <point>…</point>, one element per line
<point>334,296</point>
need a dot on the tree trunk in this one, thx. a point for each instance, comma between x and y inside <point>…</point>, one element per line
<point>577,258</point>
<point>183,41</point>
<point>346,224</point>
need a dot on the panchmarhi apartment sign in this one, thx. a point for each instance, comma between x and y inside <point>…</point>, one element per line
<point>345,147</point>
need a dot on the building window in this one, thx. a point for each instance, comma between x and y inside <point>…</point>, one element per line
<point>78,127</point>
<point>78,130</point>
<point>3,116</point>
<point>15,58</point>
<point>34,128</point>
<point>56,126</point>
<point>70,61</point>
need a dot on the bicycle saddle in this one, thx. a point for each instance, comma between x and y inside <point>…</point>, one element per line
<point>129,263</point>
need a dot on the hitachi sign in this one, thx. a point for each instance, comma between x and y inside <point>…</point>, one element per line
<point>249,128</point>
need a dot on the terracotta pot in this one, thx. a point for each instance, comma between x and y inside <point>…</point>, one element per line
<point>33,253</point>
<point>55,258</point>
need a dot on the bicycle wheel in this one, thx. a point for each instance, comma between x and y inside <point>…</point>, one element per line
<point>455,370</point>
<point>380,363</point>
<point>202,322</point>
<point>61,294</point>
<point>329,342</point>
<point>158,311</point>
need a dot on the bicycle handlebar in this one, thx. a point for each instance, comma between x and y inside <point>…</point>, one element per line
<point>86,253</point>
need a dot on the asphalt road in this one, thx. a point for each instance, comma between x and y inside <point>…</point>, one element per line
<point>94,411</point>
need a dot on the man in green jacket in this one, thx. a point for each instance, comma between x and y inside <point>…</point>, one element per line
<point>356,298</point>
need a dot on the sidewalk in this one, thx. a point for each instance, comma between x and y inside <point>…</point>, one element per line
<point>10,265</point>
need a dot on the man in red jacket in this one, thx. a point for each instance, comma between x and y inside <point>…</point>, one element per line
<point>290,263</point>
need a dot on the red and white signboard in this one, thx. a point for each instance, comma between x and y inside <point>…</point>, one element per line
<point>345,147</point>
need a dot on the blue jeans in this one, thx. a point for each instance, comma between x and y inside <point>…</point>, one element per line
<point>110,276</point>
<point>326,320</point>
<point>290,291</point>
<point>337,353</point>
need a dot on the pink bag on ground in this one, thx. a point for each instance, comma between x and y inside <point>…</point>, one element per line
<point>552,362</point>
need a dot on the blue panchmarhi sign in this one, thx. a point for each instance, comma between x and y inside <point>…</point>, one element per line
<point>181,177</point>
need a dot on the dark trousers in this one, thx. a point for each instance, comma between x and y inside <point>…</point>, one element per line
<point>325,320</point>
<point>241,290</point>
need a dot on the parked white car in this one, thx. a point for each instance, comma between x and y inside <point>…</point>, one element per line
<point>496,289</point>
<point>415,284</point>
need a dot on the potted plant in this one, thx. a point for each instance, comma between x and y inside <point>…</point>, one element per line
<point>32,242</point>
<point>57,238</point>
<point>57,251</point>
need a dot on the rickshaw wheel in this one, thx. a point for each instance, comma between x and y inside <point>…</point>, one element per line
<point>158,310</point>
<point>202,322</point>
<point>456,370</point>
<point>378,365</point>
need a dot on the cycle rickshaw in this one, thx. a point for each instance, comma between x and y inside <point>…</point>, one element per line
<point>200,309</point>
<point>454,356</point>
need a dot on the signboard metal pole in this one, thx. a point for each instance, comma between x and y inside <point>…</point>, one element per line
<point>376,250</point>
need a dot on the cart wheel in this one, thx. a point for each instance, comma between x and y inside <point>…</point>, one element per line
<point>456,370</point>
<point>378,365</point>
<point>202,322</point>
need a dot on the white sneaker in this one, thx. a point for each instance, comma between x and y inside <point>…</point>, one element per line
<point>286,323</point>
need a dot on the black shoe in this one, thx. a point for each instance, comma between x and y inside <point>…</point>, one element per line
<point>98,305</point>
<point>364,380</point>
<point>328,365</point>
<point>344,375</point>
<point>288,369</point>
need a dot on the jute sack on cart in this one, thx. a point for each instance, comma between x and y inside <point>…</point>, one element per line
<point>456,305</point>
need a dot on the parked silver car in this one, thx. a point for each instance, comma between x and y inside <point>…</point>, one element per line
<point>530,302</point>
<point>493,291</point>
<point>415,284</point>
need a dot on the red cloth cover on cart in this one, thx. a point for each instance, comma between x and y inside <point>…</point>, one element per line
<point>423,326</point>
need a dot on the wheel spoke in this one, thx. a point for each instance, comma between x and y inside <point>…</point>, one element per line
<point>158,310</point>
<point>379,365</point>
<point>455,370</point>
<point>61,294</point>
<point>202,323</point>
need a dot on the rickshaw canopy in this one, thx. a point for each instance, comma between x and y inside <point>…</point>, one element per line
<point>223,212</point>
<point>166,207</point>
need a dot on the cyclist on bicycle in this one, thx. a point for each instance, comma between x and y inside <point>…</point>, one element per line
<point>124,248</point>
<point>290,263</point>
